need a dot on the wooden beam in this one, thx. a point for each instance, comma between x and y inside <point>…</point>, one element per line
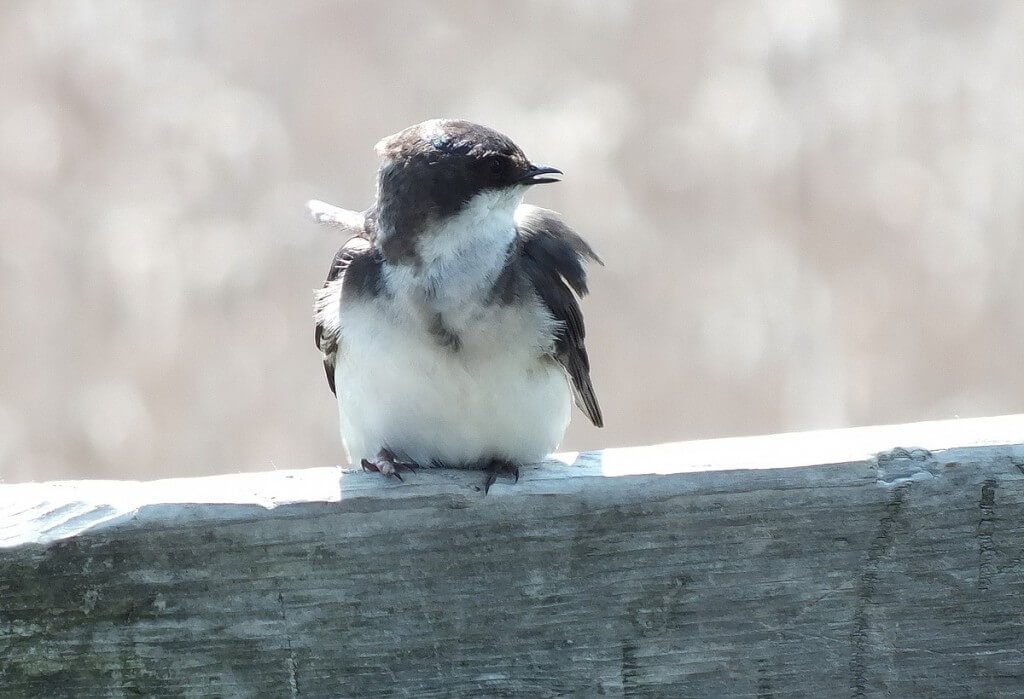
<point>879,560</point>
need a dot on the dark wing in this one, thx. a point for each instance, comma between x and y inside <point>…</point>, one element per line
<point>327,305</point>
<point>553,257</point>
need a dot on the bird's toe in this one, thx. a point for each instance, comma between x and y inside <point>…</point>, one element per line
<point>500,467</point>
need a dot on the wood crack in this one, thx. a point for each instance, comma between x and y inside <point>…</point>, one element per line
<point>293,680</point>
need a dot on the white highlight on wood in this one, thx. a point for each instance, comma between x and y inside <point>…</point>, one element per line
<point>46,512</point>
<point>821,447</point>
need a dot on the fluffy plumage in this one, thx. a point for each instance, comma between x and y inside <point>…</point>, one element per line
<point>458,338</point>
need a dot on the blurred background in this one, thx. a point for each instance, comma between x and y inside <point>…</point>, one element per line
<point>811,210</point>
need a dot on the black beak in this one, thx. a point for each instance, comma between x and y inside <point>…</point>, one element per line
<point>532,175</point>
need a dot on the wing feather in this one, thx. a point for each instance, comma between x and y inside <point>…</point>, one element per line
<point>328,301</point>
<point>553,257</point>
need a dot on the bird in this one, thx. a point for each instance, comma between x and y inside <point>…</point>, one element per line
<point>449,323</point>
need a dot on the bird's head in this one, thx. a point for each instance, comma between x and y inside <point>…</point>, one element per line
<point>443,168</point>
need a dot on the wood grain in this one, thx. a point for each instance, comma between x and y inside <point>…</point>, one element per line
<point>891,563</point>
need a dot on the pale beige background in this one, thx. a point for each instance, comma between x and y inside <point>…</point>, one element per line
<point>811,211</point>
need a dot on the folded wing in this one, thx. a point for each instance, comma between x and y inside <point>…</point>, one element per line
<point>553,257</point>
<point>327,304</point>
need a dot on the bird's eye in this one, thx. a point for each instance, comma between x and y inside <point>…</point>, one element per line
<point>497,165</point>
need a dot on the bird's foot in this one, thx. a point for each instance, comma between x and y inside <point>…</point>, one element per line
<point>386,464</point>
<point>500,467</point>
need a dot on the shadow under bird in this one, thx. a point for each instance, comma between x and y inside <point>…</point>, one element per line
<point>449,323</point>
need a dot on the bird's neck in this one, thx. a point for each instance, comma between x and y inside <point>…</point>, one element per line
<point>459,258</point>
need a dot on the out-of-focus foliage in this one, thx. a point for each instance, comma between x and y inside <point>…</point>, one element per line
<point>811,210</point>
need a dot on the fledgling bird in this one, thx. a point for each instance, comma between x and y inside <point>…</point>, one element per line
<point>449,324</point>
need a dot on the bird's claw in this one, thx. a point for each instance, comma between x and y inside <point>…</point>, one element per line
<point>387,465</point>
<point>500,468</point>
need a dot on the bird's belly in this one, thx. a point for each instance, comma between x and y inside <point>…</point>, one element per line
<point>492,398</point>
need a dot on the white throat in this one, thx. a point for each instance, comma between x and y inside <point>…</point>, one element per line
<point>462,256</point>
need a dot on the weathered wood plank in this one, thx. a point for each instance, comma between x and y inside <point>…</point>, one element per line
<point>784,565</point>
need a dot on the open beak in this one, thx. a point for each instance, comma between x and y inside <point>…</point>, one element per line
<point>533,175</point>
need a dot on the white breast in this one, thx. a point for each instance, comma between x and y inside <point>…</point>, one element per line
<point>498,396</point>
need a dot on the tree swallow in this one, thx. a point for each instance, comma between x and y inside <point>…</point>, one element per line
<point>449,323</point>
